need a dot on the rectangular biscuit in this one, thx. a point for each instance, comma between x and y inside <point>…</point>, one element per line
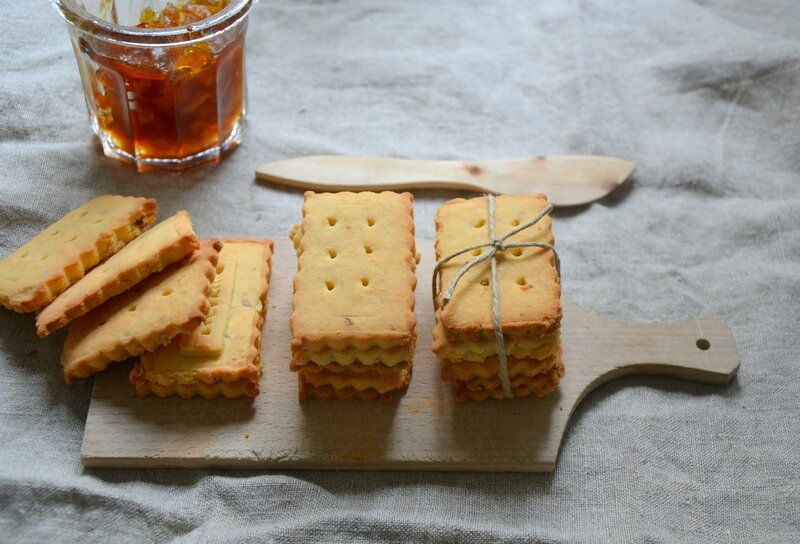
<point>354,367</point>
<point>480,389</point>
<point>61,254</point>
<point>528,282</point>
<point>327,392</point>
<point>381,382</point>
<point>465,371</point>
<point>226,347</point>
<point>356,260</point>
<point>229,390</point>
<point>147,316</point>
<point>529,300</point>
<point>479,349</point>
<point>166,243</point>
<point>349,354</point>
<point>359,376</point>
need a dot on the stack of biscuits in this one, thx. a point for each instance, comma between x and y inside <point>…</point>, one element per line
<point>353,323</point>
<point>193,309</point>
<point>222,355</point>
<point>529,300</point>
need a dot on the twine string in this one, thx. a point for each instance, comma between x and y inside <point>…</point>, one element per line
<point>494,245</point>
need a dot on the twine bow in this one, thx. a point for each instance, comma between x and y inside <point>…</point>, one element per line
<point>495,245</point>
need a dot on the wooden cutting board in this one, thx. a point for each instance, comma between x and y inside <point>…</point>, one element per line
<point>425,429</point>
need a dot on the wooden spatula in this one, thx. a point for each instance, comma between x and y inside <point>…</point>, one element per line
<point>568,180</point>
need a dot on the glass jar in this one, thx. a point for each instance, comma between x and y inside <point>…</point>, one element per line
<point>161,98</point>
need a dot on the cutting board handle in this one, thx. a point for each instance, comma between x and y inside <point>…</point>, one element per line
<point>701,350</point>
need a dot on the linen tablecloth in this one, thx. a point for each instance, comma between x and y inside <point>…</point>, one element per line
<point>703,95</point>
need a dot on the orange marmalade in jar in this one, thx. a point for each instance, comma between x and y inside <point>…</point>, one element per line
<point>165,87</point>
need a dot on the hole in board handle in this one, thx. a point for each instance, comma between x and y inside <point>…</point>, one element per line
<point>703,344</point>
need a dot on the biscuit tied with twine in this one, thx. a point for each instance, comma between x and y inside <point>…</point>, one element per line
<point>495,244</point>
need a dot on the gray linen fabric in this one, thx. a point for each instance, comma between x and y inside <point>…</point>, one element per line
<point>704,96</point>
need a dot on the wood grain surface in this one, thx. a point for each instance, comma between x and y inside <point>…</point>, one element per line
<point>424,429</point>
<point>568,180</point>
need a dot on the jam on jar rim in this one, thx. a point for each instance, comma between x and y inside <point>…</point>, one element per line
<point>233,13</point>
<point>180,13</point>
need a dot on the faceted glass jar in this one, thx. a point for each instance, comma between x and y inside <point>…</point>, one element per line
<point>160,98</point>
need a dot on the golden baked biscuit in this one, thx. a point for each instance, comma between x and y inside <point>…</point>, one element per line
<point>356,258</point>
<point>529,296</point>
<point>147,316</point>
<point>530,292</point>
<point>540,385</point>
<point>61,254</point>
<point>223,355</point>
<point>166,243</point>
<point>353,301</point>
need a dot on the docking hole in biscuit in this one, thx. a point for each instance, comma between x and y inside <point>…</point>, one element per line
<point>521,281</point>
<point>332,253</point>
<point>331,221</point>
<point>516,252</point>
<point>166,292</point>
<point>329,285</point>
<point>370,221</point>
<point>485,282</point>
<point>515,223</point>
<point>364,281</point>
<point>368,249</point>
<point>132,308</point>
<point>479,223</point>
<point>84,214</point>
<point>476,252</point>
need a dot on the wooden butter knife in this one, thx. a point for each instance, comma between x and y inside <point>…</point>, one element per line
<point>567,180</point>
